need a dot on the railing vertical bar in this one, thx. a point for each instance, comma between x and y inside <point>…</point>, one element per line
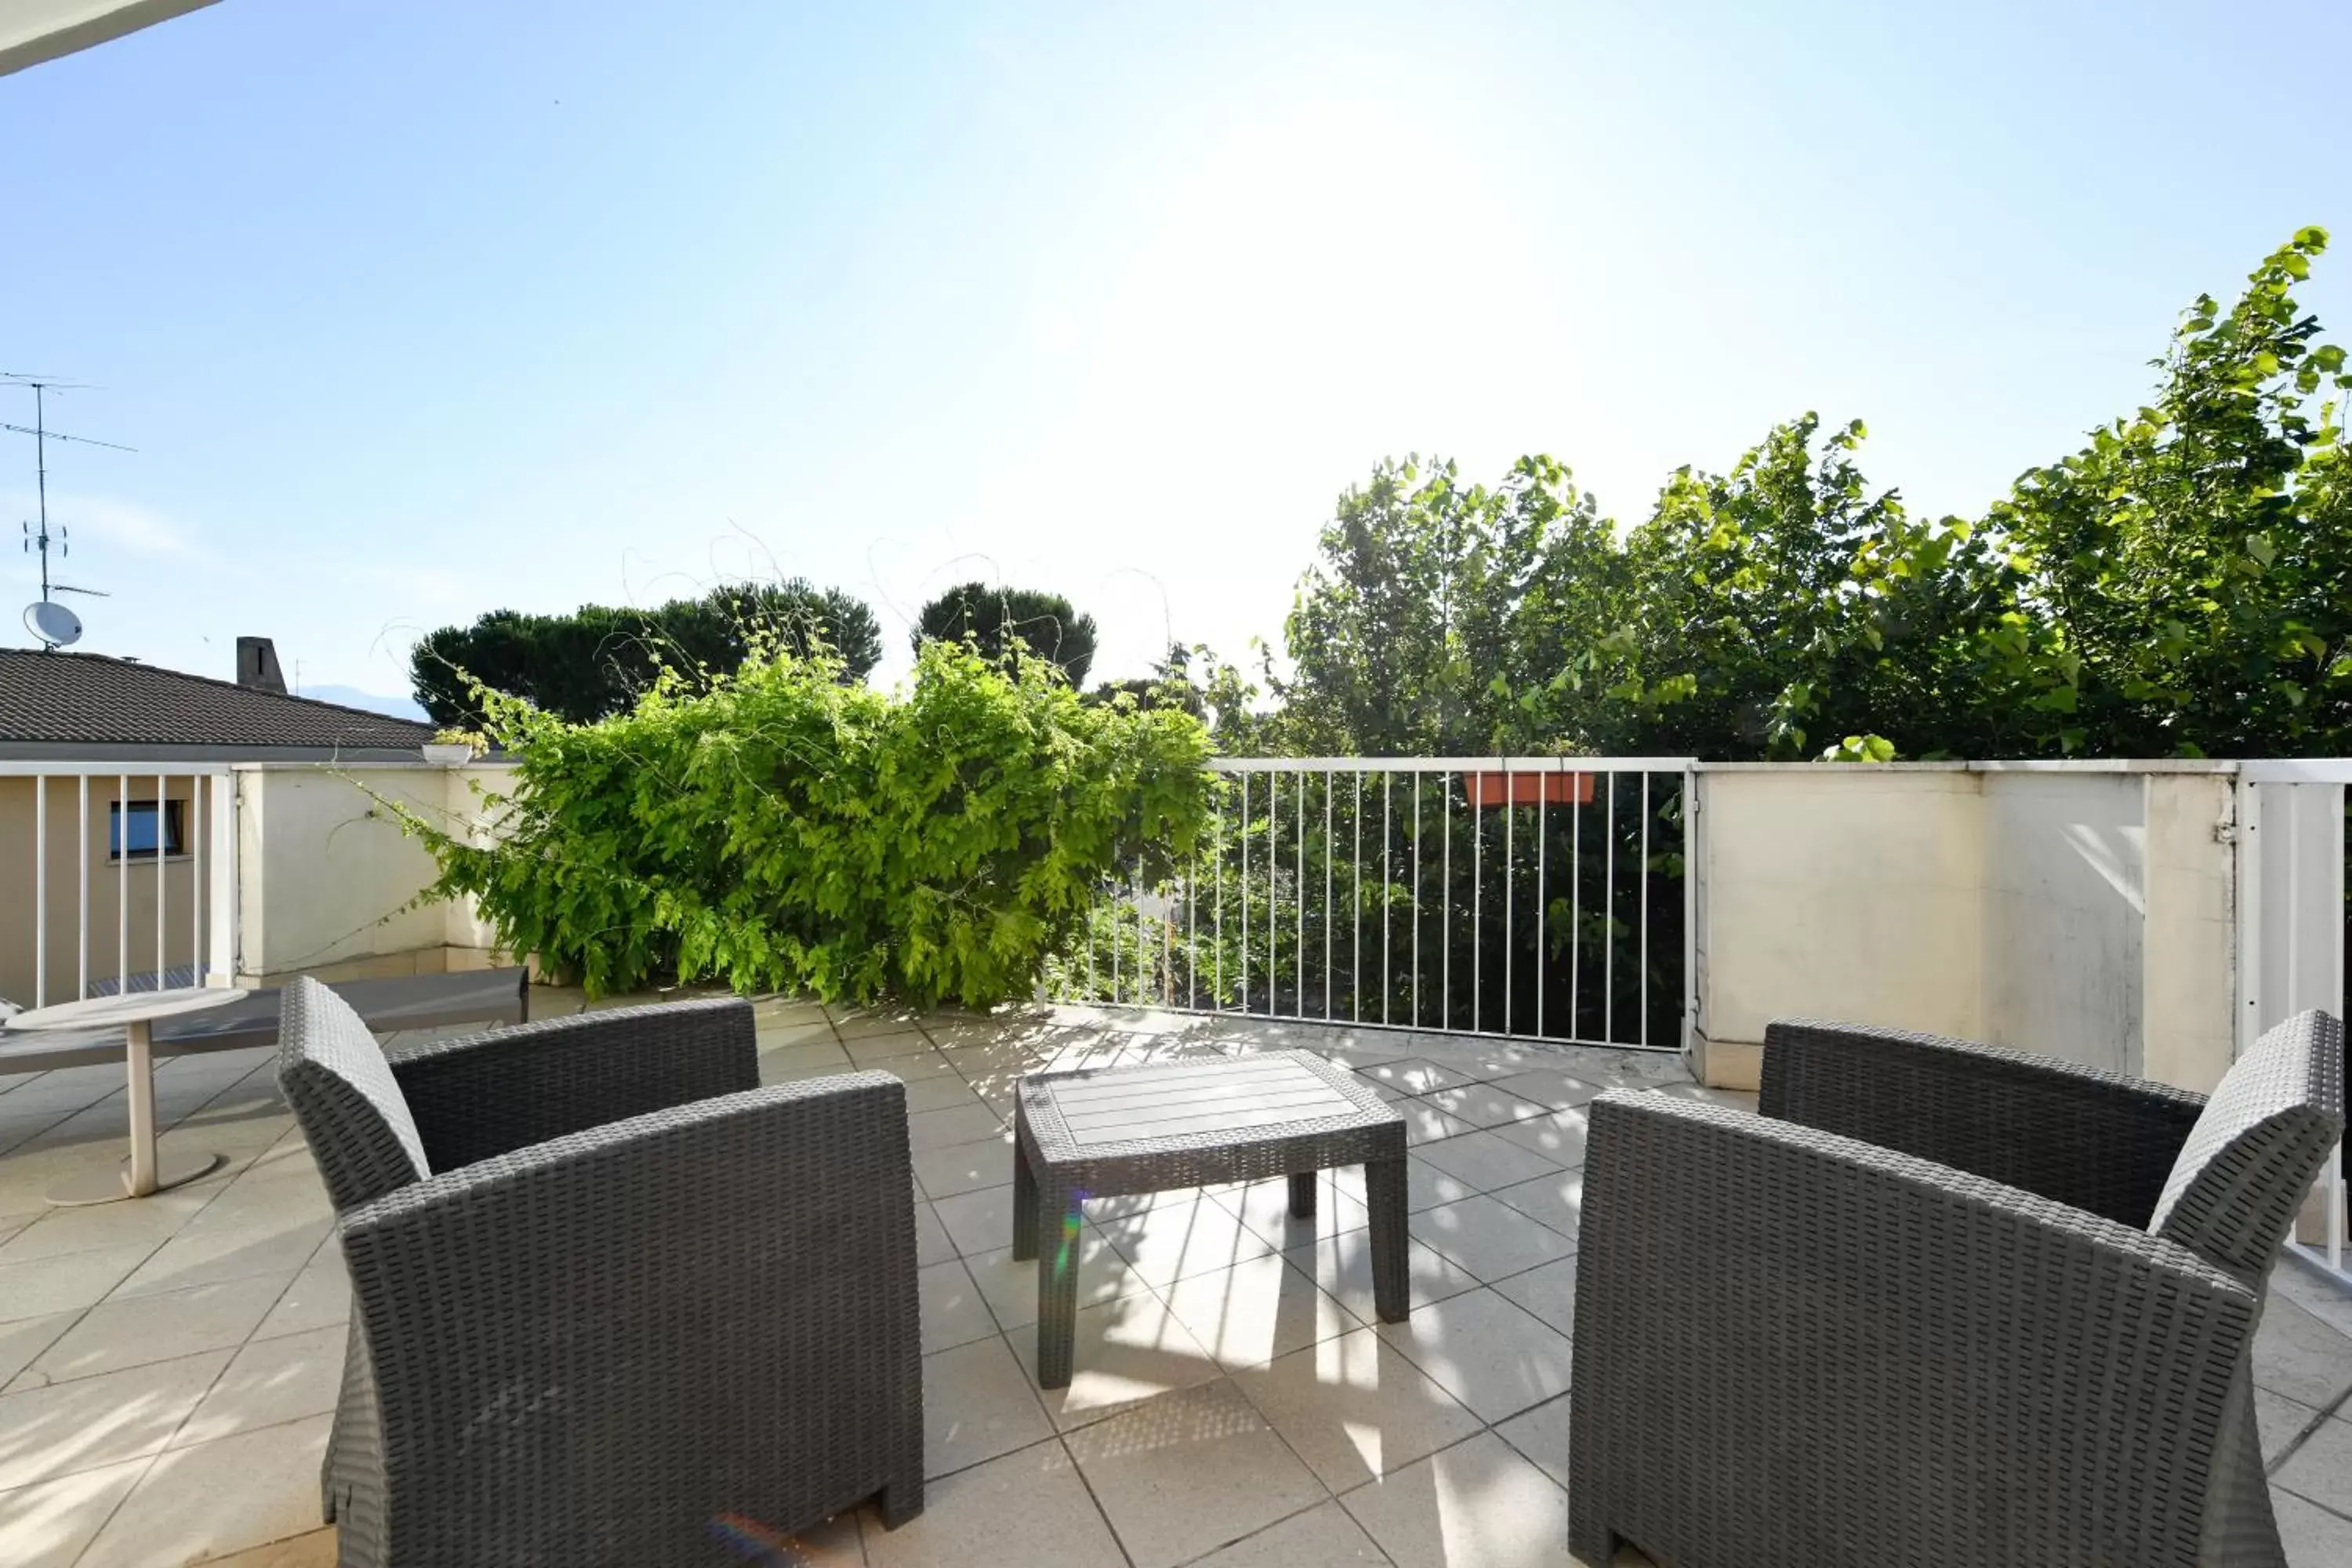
<point>1416,906</point>
<point>40,889</point>
<point>1142,941</point>
<point>195,878</point>
<point>1114,937</point>
<point>1694,834</point>
<point>1217,908</point>
<point>1327,780</point>
<point>1445,908</point>
<point>221,903</point>
<point>1356,912</point>
<point>1388,895</point>
<point>1543,910</point>
<point>1300,944</point>
<point>162,842</point>
<point>1273,893</point>
<point>120,839</point>
<point>1192,886</point>
<point>1575,907</point>
<point>1476,799</point>
<point>82,879</point>
<point>1608,923</point>
<point>1644,873</point>
<point>1246,893</point>
<point>2337,1221</point>
<point>1510,817</point>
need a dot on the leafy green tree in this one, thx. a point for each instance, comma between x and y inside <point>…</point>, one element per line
<point>2195,560</point>
<point>596,660</point>
<point>1431,605</point>
<point>2183,584</point>
<point>1787,602</point>
<point>995,620</point>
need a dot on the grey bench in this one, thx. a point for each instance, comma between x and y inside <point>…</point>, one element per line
<point>406,1002</point>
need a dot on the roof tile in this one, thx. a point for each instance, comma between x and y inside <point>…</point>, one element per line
<point>58,697</point>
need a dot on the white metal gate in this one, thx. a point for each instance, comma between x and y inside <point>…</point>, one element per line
<point>2291,932</point>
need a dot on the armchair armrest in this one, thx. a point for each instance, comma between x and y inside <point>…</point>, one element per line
<point>1794,1347</point>
<point>2093,1141</point>
<point>483,1095</point>
<point>593,1348</point>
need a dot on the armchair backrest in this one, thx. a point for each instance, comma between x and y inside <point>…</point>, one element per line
<point>2251,1156</point>
<point>344,1093</point>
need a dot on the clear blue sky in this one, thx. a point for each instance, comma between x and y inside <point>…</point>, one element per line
<point>419,307</point>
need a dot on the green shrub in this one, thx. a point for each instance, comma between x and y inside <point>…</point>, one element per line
<point>782,831</point>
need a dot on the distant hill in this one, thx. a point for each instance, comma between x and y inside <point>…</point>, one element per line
<point>353,697</point>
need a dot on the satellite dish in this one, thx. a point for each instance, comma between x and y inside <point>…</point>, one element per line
<point>53,622</point>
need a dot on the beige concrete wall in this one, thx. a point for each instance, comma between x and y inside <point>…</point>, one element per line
<point>1856,893</point>
<point>108,881</point>
<point>327,883</point>
<point>2084,914</point>
<point>2064,895</point>
<point>469,799</point>
<point>2189,947</point>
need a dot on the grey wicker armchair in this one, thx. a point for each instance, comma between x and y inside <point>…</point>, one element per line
<point>612,1301</point>
<point>1939,1305</point>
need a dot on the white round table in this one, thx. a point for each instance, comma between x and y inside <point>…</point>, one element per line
<point>142,1174</point>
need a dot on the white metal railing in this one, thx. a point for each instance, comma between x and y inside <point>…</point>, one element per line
<point>2292,931</point>
<point>1539,898</point>
<point>92,807</point>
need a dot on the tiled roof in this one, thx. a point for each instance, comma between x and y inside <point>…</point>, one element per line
<point>65,698</point>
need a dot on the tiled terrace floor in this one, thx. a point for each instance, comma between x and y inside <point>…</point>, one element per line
<point>167,1366</point>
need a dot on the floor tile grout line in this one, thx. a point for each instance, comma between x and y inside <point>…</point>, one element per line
<point>166,1445</point>
<point>2328,1508</point>
<point>177,1231</point>
<point>141,1479</point>
<point>930,1480</point>
<point>254,1337</point>
<point>158,1456</point>
<point>1118,1542</point>
<point>1329,1497</point>
<point>2301,1435</point>
<point>1497,1430</point>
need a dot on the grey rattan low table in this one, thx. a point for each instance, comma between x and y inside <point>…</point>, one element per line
<point>1114,1131</point>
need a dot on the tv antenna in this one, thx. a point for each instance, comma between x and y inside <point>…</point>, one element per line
<point>55,625</point>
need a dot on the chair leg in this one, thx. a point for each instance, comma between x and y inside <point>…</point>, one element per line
<point>900,1501</point>
<point>1302,1193</point>
<point>1384,1194</point>
<point>1591,1543</point>
<point>1057,1231</point>
<point>1024,1208</point>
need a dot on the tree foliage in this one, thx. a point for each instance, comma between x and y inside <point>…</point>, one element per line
<point>598,659</point>
<point>2193,561</point>
<point>781,828</point>
<point>2178,586</point>
<point>1431,600</point>
<point>998,621</point>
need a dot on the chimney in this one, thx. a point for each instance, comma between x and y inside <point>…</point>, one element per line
<point>257,665</point>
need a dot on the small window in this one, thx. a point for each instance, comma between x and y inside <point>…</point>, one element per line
<point>139,844</point>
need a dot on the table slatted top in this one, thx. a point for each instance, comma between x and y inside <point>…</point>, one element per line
<point>1247,1097</point>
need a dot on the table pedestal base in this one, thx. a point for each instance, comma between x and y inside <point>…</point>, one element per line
<point>112,1184</point>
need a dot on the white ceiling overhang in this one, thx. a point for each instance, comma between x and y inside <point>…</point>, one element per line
<point>32,31</point>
